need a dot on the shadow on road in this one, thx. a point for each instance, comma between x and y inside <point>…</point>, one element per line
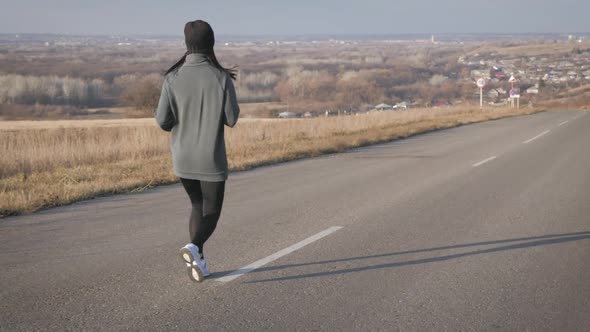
<point>528,243</point>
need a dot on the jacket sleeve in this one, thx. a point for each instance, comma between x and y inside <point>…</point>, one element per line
<point>163,113</point>
<point>231,109</point>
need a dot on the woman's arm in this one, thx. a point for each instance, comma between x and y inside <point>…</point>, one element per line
<point>163,113</point>
<point>231,109</point>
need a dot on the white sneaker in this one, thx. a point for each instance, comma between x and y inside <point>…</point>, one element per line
<point>196,267</point>
<point>204,268</point>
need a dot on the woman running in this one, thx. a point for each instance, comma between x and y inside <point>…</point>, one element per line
<point>198,98</point>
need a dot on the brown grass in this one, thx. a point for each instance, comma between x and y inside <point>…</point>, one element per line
<point>575,98</point>
<point>262,110</point>
<point>61,162</point>
<point>540,49</point>
<point>83,124</point>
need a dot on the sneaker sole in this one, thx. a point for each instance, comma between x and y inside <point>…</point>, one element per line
<point>194,272</point>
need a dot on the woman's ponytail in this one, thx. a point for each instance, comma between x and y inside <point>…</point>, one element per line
<point>177,64</point>
<point>232,72</point>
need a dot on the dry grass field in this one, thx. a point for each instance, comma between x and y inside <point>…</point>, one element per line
<point>532,49</point>
<point>51,163</point>
<point>262,110</point>
<point>31,124</point>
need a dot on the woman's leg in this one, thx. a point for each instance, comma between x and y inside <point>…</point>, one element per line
<point>207,201</point>
<point>193,189</point>
<point>213,194</point>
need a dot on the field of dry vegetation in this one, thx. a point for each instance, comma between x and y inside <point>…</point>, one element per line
<point>45,164</point>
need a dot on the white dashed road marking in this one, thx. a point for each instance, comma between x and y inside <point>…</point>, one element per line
<point>484,161</point>
<point>538,136</point>
<point>259,263</point>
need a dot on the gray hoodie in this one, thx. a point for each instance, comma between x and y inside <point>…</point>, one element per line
<point>195,104</point>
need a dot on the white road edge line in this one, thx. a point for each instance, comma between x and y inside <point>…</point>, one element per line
<point>564,122</point>
<point>259,263</point>
<point>484,161</point>
<point>538,136</point>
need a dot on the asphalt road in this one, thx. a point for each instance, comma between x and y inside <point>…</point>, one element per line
<point>463,229</point>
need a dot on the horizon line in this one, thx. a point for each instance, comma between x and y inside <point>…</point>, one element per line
<point>298,35</point>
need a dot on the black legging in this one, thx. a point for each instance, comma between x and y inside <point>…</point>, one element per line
<point>207,200</point>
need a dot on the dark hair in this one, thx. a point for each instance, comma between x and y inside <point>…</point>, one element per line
<point>199,38</point>
<point>232,72</point>
<point>177,64</point>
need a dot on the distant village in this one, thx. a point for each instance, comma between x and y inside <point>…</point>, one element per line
<point>530,74</point>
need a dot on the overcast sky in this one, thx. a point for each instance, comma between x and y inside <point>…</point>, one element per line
<point>295,17</point>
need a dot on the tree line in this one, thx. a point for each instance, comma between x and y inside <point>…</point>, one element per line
<point>298,85</point>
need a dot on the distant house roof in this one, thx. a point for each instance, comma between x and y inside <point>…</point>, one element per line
<point>403,105</point>
<point>500,74</point>
<point>442,103</point>
<point>287,115</point>
<point>383,106</point>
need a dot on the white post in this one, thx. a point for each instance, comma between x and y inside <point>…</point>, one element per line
<point>480,98</point>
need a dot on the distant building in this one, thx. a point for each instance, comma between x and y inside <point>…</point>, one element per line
<point>493,93</point>
<point>287,115</point>
<point>500,75</point>
<point>400,106</point>
<point>383,107</point>
<point>572,74</point>
<point>442,103</point>
<point>478,73</point>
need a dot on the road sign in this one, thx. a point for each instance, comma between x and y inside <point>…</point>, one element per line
<point>481,83</point>
<point>514,100</point>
